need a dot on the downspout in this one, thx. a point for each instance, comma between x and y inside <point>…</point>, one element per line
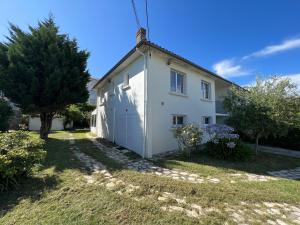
<point>145,102</point>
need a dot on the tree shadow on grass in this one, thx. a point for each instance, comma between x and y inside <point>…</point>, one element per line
<point>31,188</point>
<point>261,164</point>
<point>44,179</point>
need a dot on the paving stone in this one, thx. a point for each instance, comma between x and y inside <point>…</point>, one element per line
<point>280,222</point>
<point>191,213</point>
<point>162,198</point>
<point>195,206</point>
<point>176,208</point>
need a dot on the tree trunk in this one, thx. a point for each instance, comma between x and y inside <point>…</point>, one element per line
<point>256,144</point>
<point>46,122</point>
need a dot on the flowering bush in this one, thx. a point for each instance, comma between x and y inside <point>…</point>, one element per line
<point>224,144</point>
<point>19,152</point>
<point>188,137</point>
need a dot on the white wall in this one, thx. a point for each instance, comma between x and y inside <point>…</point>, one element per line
<point>162,104</point>
<point>121,117</point>
<point>35,123</point>
<point>93,129</point>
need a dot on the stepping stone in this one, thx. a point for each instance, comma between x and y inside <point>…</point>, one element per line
<point>163,199</point>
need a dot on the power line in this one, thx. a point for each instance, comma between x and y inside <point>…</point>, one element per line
<point>135,14</point>
<point>147,19</point>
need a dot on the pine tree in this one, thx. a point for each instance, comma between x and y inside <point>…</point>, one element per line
<point>43,71</point>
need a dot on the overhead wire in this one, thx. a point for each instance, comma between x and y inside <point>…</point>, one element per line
<point>147,19</point>
<point>135,14</point>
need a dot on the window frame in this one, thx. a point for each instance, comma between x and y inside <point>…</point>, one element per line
<point>203,118</point>
<point>101,97</point>
<point>203,92</point>
<point>126,78</point>
<point>175,116</point>
<point>94,120</point>
<point>182,90</point>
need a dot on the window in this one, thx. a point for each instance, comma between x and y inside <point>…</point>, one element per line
<point>177,82</point>
<point>205,90</point>
<point>178,120</point>
<point>101,97</point>
<point>126,81</point>
<point>93,121</point>
<point>206,120</point>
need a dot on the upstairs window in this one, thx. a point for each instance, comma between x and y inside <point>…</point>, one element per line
<point>126,81</point>
<point>205,90</point>
<point>101,97</point>
<point>178,120</point>
<point>177,82</point>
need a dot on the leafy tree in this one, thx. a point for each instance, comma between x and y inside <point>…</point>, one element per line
<point>269,107</point>
<point>78,113</point>
<point>43,71</point>
<point>5,113</point>
<point>189,138</point>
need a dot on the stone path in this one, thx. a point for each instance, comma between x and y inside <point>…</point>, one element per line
<point>243,213</point>
<point>280,151</point>
<point>145,166</point>
<point>293,174</point>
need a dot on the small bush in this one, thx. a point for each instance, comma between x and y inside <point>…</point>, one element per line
<point>224,144</point>
<point>19,152</point>
<point>5,113</point>
<point>189,138</point>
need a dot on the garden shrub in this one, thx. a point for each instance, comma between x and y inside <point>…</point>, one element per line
<point>5,113</point>
<point>225,144</point>
<point>189,138</point>
<point>19,152</point>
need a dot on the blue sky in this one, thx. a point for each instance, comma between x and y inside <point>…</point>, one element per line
<point>237,39</point>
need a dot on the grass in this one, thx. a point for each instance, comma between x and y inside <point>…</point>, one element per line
<point>261,164</point>
<point>57,193</point>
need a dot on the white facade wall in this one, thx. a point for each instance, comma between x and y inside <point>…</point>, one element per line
<point>163,104</point>
<point>120,114</point>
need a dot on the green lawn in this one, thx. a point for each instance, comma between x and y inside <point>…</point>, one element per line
<point>57,192</point>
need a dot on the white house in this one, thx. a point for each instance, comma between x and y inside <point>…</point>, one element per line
<point>149,92</point>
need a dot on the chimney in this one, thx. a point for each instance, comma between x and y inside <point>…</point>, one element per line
<point>141,35</point>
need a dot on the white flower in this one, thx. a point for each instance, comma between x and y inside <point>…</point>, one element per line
<point>230,144</point>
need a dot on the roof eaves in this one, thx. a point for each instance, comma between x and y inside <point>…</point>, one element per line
<point>188,62</point>
<point>119,63</point>
<point>153,45</point>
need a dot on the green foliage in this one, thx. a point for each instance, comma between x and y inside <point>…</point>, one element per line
<point>43,71</point>
<point>241,151</point>
<point>80,114</point>
<point>270,107</point>
<point>225,144</point>
<point>188,137</point>
<point>19,152</point>
<point>290,141</point>
<point>5,113</point>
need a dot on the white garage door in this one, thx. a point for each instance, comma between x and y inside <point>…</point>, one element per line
<point>129,131</point>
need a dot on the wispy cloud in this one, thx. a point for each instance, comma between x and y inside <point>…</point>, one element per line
<point>272,49</point>
<point>229,68</point>
<point>234,67</point>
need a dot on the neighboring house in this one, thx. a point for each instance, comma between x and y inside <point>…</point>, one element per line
<point>151,91</point>
<point>58,121</point>
<point>92,92</point>
<point>16,118</point>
